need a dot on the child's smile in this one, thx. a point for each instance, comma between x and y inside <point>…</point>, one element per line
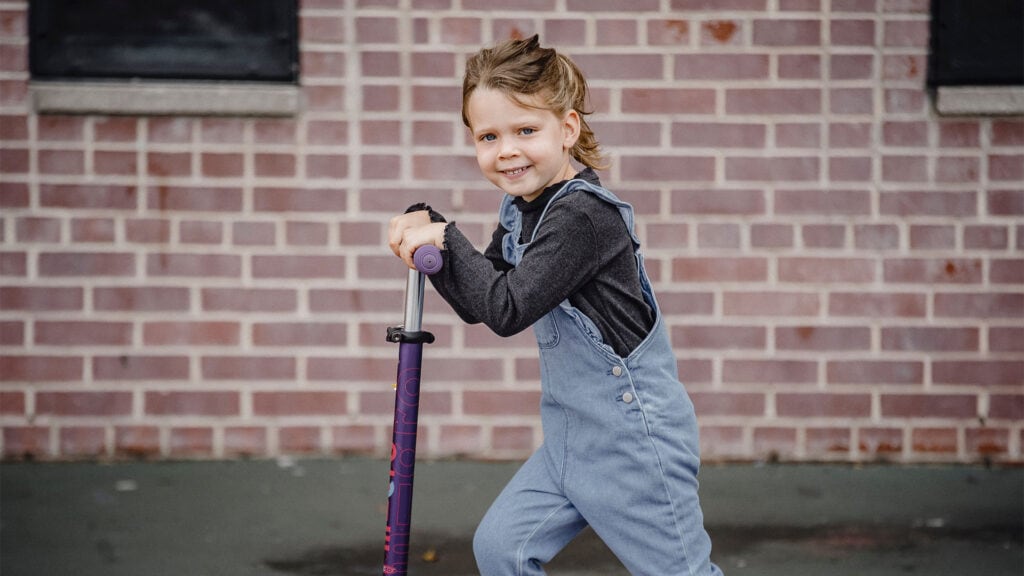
<point>521,149</point>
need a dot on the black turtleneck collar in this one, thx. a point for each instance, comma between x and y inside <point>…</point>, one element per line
<point>587,175</point>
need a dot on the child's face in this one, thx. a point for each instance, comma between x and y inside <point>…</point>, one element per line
<point>521,149</point>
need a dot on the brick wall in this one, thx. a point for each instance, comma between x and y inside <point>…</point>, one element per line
<point>840,268</point>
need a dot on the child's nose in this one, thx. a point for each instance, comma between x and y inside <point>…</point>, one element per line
<point>509,149</point>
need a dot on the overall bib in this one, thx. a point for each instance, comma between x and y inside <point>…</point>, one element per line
<point>620,449</point>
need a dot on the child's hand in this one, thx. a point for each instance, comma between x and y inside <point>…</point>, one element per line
<point>407,232</point>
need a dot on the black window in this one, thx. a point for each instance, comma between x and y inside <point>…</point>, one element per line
<point>977,43</point>
<point>239,40</point>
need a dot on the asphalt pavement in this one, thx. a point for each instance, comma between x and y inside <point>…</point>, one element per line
<point>327,517</point>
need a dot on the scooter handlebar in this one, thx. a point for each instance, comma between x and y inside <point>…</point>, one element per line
<point>428,259</point>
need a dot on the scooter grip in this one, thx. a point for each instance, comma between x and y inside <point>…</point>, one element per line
<point>428,259</point>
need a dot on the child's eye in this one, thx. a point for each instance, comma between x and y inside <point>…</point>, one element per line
<point>488,138</point>
<point>527,131</point>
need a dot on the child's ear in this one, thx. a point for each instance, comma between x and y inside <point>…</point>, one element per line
<point>571,129</point>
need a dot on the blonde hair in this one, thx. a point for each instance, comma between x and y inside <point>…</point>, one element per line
<point>523,68</point>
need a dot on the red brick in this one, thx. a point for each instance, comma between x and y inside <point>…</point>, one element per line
<point>906,33</point>
<point>12,403</point>
<point>249,300</point>
<point>141,299</point>
<point>875,372</point>
<point>63,264</point>
<point>253,233</point>
<point>772,101</point>
<point>984,237</point>
<point>69,333</point>
<point>907,134</point>
<point>996,305</point>
<point>354,300</point>
<point>767,303</point>
<point>728,404</point>
<point>192,403</point>
<point>147,231</point>
<point>28,442</point>
<point>713,5</point>
<point>1003,167</point>
<point>88,197</point>
<point>95,230</point>
<point>61,162</point>
<point>274,131</point>
<point>13,128</point>
<point>876,236</point>
<point>14,161</point>
<point>668,32</point>
<point>290,200</point>
<point>460,439</point>
<point>436,98</point>
<point>573,32</point>
<point>56,128</point>
<point>12,333</point>
<point>775,443</point>
<point>194,265</point>
<point>722,442</point>
<point>772,169</point>
<point>322,29</point>
<point>245,441</point>
<point>931,339</point>
<point>299,439</point>
<point>849,135</point>
<point>721,67</point>
<point>13,263</point>
<point>200,232</point>
<point>822,338</point>
<point>904,101</point>
<point>88,441</point>
<point>34,229</point>
<point>1006,407</point>
<point>293,403</point>
<point>310,266</point>
<point>1007,272</point>
<point>190,199</point>
<point>461,31</point>
<point>361,233</point>
<point>190,333</point>
<point>719,33</point>
<point>952,169</point>
<point>987,441</point>
<point>934,440</point>
<point>1007,133</point>
<point>769,371</point>
<point>170,130</point>
<point>436,403</point>
<point>826,270</point>
<point>851,101</point>
<point>621,66</point>
<point>959,134</point>
<point>797,135</point>
<point>115,129</point>
<point>299,334</point>
<point>500,403</point>
<point>824,442</point>
<point>665,235</point>
<point>353,439</point>
<point>13,195</point>
<point>140,367</point>
<point>695,337</point>
<point>1005,202</point>
<point>84,403</point>
<point>192,441</point>
<point>136,441</point>
<point>978,372</point>
<point>903,67</point>
<point>718,135</point>
<point>668,168</point>
<point>689,303</point>
<point>787,33</point>
<point>114,162</point>
<point>932,237</point>
<point>719,269</point>
<point>718,201</point>
<point>274,165</point>
<point>40,368</point>
<point>930,271</point>
<point>880,441</point>
<point>929,406</point>
<point>851,32</point>
<point>247,368</point>
<point>850,169</point>
<point>922,203</point>
<point>823,405</point>
<point>159,164</point>
<point>711,235</point>
<point>518,438</point>
<point>427,167</point>
<point>1006,339</point>
<point>306,233</point>
<point>823,202</point>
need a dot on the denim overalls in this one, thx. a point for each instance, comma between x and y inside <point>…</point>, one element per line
<point>620,449</point>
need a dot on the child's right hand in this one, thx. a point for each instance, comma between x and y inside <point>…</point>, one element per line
<point>407,232</point>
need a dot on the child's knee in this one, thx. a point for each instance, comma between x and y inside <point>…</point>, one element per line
<point>493,549</point>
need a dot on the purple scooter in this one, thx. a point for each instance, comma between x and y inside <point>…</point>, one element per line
<point>410,338</point>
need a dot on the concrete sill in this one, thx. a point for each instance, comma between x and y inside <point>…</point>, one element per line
<point>165,98</point>
<point>980,100</point>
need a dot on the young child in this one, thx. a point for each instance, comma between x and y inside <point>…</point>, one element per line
<point>620,449</point>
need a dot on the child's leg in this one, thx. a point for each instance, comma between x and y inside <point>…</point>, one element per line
<point>529,522</point>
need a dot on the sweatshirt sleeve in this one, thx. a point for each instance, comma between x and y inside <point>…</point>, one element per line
<point>508,300</point>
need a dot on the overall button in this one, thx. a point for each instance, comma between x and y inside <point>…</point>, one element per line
<point>617,371</point>
<point>627,398</point>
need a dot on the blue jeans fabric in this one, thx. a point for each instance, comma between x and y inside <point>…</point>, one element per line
<point>620,451</point>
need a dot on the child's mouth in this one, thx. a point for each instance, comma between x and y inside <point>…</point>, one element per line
<point>515,171</point>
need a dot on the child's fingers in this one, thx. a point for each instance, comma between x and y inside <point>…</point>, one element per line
<point>399,224</point>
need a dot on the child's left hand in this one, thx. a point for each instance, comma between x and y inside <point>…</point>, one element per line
<point>407,232</point>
